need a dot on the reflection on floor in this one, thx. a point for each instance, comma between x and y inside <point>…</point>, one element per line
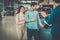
<point>45,34</point>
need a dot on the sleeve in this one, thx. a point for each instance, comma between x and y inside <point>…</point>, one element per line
<point>16,19</point>
<point>19,19</point>
<point>49,19</point>
<point>39,20</point>
<point>27,17</point>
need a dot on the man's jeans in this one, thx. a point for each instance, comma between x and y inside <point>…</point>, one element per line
<point>33,32</point>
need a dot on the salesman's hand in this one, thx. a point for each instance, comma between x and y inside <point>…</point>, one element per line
<point>43,13</point>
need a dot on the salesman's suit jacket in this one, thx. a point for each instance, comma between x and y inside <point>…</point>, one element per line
<point>54,19</point>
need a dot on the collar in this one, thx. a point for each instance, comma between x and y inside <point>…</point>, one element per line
<point>57,5</point>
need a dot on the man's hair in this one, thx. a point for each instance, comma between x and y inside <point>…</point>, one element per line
<point>40,1</point>
<point>57,1</point>
<point>33,3</point>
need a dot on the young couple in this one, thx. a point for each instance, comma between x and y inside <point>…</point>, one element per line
<point>29,19</point>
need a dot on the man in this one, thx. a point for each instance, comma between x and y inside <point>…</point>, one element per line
<point>32,22</point>
<point>54,19</point>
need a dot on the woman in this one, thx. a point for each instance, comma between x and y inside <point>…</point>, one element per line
<point>20,22</point>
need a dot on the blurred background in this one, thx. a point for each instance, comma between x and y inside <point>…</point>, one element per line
<point>8,9</point>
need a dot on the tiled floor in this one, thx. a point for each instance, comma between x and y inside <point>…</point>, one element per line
<point>8,30</point>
